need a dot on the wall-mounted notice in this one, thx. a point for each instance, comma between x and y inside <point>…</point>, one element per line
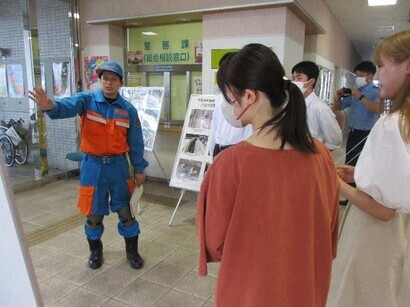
<point>3,81</point>
<point>15,80</point>
<point>192,159</point>
<point>61,80</point>
<point>91,64</point>
<point>148,102</point>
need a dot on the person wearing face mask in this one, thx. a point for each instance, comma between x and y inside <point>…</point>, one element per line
<point>321,119</point>
<point>268,206</point>
<point>364,109</point>
<point>372,267</point>
<point>226,129</point>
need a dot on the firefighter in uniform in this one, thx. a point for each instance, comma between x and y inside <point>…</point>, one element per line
<point>110,128</point>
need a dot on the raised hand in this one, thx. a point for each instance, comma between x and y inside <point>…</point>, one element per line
<point>39,96</point>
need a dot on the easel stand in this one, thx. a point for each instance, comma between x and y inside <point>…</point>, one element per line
<point>160,166</point>
<point>176,207</point>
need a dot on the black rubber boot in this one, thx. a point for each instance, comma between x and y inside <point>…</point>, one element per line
<point>131,246</point>
<point>96,255</point>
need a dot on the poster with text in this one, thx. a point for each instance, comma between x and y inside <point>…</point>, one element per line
<point>148,102</point>
<point>192,158</point>
<point>15,80</point>
<point>91,64</point>
<point>134,57</point>
<point>3,81</point>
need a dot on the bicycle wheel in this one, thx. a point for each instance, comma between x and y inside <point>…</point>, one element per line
<point>21,152</point>
<point>7,148</point>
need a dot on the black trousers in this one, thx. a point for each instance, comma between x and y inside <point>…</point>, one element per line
<point>355,137</point>
<point>218,148</point>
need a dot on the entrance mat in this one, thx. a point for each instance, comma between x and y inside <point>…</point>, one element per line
<point>54,229</point>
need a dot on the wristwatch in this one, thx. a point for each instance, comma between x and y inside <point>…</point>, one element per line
<point>361,97</point>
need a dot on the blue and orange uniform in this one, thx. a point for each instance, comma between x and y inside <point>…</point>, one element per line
<point>109,130</point>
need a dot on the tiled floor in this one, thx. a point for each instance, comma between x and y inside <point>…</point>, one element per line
<point>168,278</point>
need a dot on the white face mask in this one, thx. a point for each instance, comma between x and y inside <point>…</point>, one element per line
<point>300,85</point>
<point>229,114</point>
<point>361,81</point>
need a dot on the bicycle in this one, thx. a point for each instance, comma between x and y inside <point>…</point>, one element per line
<point>14,148</point>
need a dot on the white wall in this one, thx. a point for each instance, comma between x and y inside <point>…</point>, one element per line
<point>18,283</point>
<point>277,42</point>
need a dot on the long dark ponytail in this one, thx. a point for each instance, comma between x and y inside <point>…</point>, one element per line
<point>257,67</point>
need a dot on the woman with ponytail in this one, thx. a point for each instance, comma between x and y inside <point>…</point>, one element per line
<point>373,265</point>
<point>268,206</point>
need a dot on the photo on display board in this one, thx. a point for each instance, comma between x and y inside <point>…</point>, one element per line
<point>193,156</point>
<point>148,102</point>
<point>200,119</point>
<point>149,137</point>
<point>188,170</point>
<point>195,144</point>
<point>150,119</point>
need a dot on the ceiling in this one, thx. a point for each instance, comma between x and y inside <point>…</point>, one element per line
<point>366,26</point>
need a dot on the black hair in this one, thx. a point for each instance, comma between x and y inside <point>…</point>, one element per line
<point>257,67</point>
<point>309,68</point>
<point>225,57</point>
<point>365,66</point>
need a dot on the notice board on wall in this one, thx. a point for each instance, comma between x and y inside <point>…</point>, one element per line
<point>192,158</point>
<point>148,102</point>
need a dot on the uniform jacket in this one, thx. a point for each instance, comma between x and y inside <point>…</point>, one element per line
<point>106,129</point>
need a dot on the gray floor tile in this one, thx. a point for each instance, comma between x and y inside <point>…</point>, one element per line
<point>79,273</point>
<point>141,293</point>
<point>110,282</point>
<point>56,262</point>
<point>184,257</point>
<point>201,287</point>
<point>81,298</point>
<point>177,237</point>
<point>114,303</point>
<point>53,289</point>
<point>158,250</point>
<point>165,274</point>
<point>177,299</point>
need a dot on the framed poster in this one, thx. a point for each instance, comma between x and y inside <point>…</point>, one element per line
<point>148,102</point>
<point>61,79</point>
<point>15,80</point>
<point>134,57</point>
<point>90,66</point>
<point>192,158</point>
<point>3,81</point>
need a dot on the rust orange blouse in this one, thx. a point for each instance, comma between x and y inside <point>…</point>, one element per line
<point>270,217</point>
